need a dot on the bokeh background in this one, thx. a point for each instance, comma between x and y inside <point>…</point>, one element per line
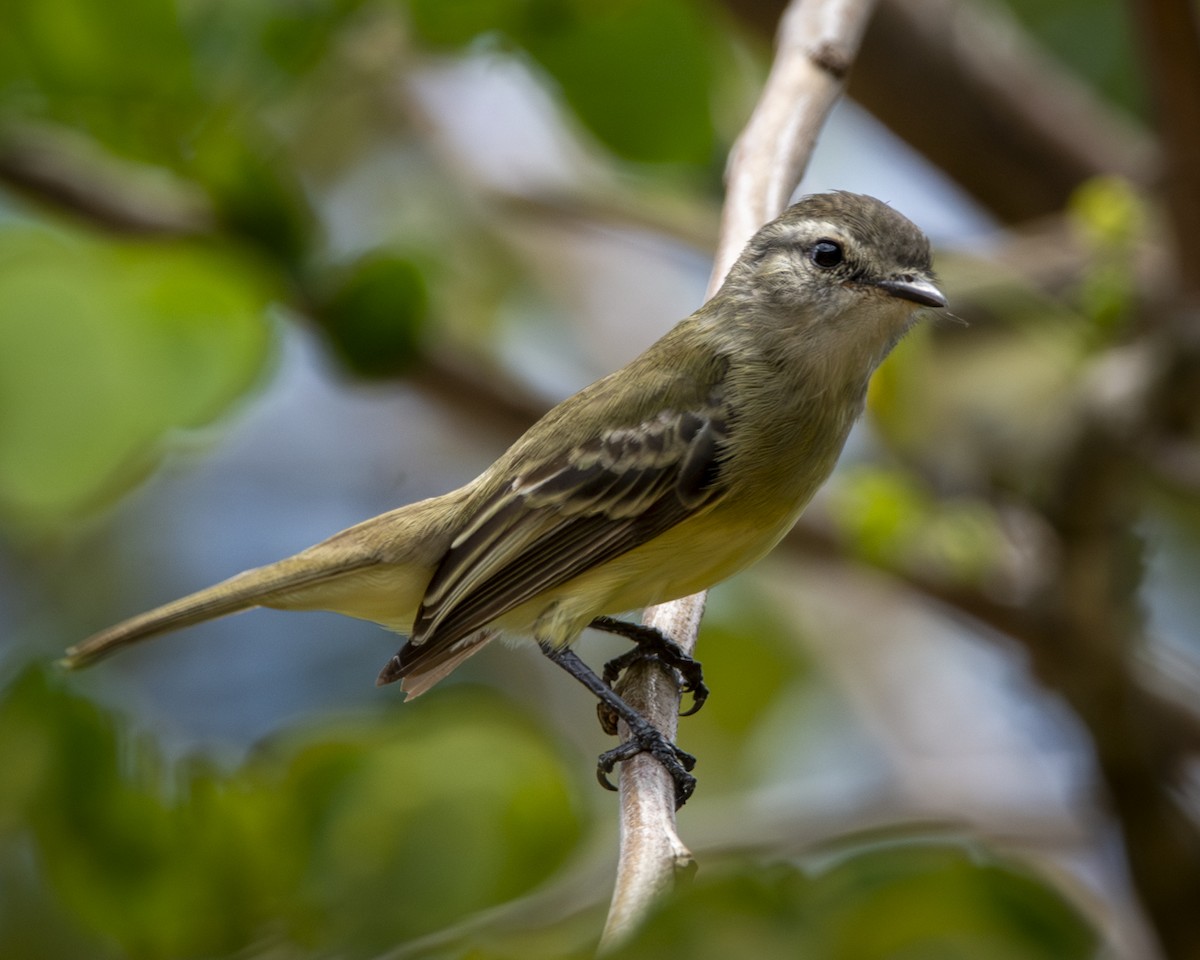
<point>269,268</point>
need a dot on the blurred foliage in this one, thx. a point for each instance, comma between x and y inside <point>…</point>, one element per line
<point>370,833</point>
<point>924,899</point>
<point>1111,220</point>
<point>106,345</point>
<point>889,519</point>
<point>346,841</point>
<point>991,406</point>
<point>986,410</point>
<point>375,315</point>
<point>222,94</point>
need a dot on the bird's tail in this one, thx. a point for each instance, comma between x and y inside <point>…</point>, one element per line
<point>262,586</point>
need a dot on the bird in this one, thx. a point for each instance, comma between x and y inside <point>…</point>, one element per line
<point>653,483</point>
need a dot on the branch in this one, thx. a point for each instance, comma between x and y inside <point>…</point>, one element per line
<point>967,87</point>
<point>815,48</point>
<point>1171,55</point>
<point>67,171</point>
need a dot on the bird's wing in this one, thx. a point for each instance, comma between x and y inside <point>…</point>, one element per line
<point>563,517</point>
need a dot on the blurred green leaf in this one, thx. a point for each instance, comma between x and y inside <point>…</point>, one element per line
<point>1108,212</point>
<point>105,346</point>
<point>988,409</point>
<point>1110,218</point>
<point>453,807</point>
<point>749,650</point>
<point>923,900</point>
<point>244,45</point>
<point>890,520</point>
<point>377,315</point>
<point>254,190</point>
<point>181,85</point>
<point>458,24</point>
<point>637,72</point>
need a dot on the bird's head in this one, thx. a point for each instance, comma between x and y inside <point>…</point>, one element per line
<point>836,267</point>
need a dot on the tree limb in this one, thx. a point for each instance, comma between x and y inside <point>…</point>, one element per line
<point>815,48</point>
<point>1171,55</point>
<point>69,172</point>
<point>967,87</point>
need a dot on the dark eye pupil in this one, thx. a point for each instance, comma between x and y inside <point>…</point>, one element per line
<point>826,253</point>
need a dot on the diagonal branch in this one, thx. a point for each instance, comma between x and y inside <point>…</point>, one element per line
<point>815,48</point>
<point>68,172</point>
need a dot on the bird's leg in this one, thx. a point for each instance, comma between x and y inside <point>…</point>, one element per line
<point>644,737</point>
<point>652,644</point>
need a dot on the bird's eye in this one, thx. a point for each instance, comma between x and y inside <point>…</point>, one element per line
<point>826,253</point>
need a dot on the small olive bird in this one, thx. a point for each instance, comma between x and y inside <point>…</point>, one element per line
<point>653,483</point>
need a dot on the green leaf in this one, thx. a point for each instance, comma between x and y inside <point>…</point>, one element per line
<point>453,807</point>
<point>377,315</point>
<point>186,86</point>
<point>1110,218</point>
<point>106,346</point>
<point>919,900</point>
<point>254,189</point>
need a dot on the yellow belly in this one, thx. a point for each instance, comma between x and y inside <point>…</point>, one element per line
<point>685,560</point>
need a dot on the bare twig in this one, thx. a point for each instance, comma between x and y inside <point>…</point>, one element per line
<point>816,45</point>
<point>72,173</point>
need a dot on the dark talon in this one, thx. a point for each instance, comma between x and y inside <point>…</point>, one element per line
<point>699,694</point>
<point>675,761</point>
<point>654,645</point>
<point>644,737</point>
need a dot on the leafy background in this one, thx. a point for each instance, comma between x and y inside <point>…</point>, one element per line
<point>269,268</point>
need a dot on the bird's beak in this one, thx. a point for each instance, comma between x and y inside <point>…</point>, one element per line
<point>916,290</point>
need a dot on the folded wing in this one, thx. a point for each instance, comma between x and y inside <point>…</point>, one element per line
<point>562,518</point>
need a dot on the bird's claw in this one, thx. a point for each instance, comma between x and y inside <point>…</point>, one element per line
<point>676,762</point>
<point>653,645</point>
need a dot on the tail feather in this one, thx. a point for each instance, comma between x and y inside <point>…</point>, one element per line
<point>249,589</point>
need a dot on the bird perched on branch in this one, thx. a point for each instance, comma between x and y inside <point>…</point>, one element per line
<point>654,483</point>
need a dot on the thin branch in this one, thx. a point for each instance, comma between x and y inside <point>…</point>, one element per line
<point>69,172</point>
<point>815,48</point>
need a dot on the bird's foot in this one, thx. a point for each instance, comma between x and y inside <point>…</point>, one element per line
<point>652,644</point>
<point>645,738</point>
